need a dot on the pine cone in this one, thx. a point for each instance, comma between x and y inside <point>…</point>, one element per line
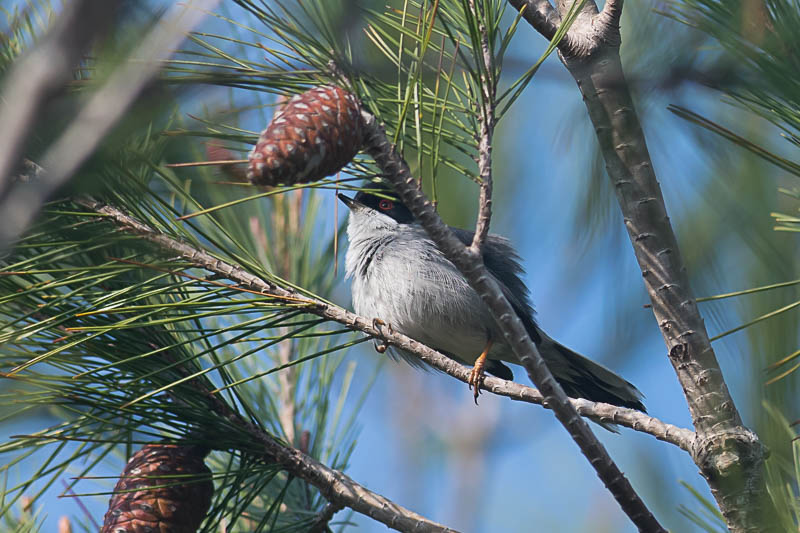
<point>176,508</point>
<point>315,135</point>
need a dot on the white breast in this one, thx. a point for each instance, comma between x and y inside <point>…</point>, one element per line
<point>401,278</point>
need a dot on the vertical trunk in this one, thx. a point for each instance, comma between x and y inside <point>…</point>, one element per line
<point>729,455</point>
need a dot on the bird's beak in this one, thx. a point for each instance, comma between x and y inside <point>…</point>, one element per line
<point>346,200</point>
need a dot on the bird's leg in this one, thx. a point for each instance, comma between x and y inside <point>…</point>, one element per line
<point>476,374</point>
<point>381,346</point>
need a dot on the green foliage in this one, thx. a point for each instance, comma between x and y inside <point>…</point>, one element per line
<point>749,50</point>
<point>124,346</point>
<point>20,519</point>
<point>23,24</point>
<point>758,39</point>
<point>420,73</point>
<point>709,518</point>
<point>125,343</point>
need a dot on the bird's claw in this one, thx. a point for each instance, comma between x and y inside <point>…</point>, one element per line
<point>377,323</point>
<point>381,346</point>
<point>476,374</point>
<point>475,380</point>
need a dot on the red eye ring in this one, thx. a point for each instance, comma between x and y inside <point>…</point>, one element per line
<point>385,205</point>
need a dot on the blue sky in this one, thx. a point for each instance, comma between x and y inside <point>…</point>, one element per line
<point>424,444</point>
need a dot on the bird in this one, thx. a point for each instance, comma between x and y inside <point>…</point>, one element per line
<point>401,278</point>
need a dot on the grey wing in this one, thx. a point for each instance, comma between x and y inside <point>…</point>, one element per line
<point>503,262</point>
<point>396,354</point>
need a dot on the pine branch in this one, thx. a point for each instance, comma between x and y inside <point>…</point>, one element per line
<point>320,524</point>
<point>339,489</point>
<point>486,121</point>
<point>396,170</point>
<point>200,258</point>
<point>19,205</point>
<point>729,455</point>
<point>610,15</point>
<point>540,14</point>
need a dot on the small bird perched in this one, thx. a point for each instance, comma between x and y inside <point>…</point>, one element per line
<point>400,277</point>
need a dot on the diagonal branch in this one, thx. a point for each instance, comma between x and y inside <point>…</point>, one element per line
<point>610,15</point>
<point>396,170</point>
<point>202,259</point>
<point>339,489</point>
<point>320,524</point>
<point>594,28</point>
<point>540,14</point>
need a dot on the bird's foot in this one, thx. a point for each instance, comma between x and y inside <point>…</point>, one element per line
<point>476,376</point>
<point>380,345</point>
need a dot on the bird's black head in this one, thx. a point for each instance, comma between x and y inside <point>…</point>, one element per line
<point>385,202</point>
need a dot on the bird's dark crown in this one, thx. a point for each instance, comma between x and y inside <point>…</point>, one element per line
<point>386,203</point>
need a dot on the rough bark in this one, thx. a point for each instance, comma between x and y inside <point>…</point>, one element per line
<point>729,455</point>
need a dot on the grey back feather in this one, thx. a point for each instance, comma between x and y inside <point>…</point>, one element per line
<point>503,262</point>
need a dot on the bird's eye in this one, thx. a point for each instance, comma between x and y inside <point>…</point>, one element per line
<point>385,205</point>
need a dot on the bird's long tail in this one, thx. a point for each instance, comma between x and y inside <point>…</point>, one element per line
<point>583,378</point>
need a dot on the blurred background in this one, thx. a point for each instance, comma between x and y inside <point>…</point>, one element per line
<point>502,466</point>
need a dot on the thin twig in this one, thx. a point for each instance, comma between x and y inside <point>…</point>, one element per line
<point>286,221</point>
<point>540,14</point>
<point>202,259</point>
<point>486,122</point>
<point>339,489</point>
<point>396,170</point>
<point>320,524</point>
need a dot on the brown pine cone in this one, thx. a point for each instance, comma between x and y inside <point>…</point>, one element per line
<point>315,135</point>
<point>175,508</point>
